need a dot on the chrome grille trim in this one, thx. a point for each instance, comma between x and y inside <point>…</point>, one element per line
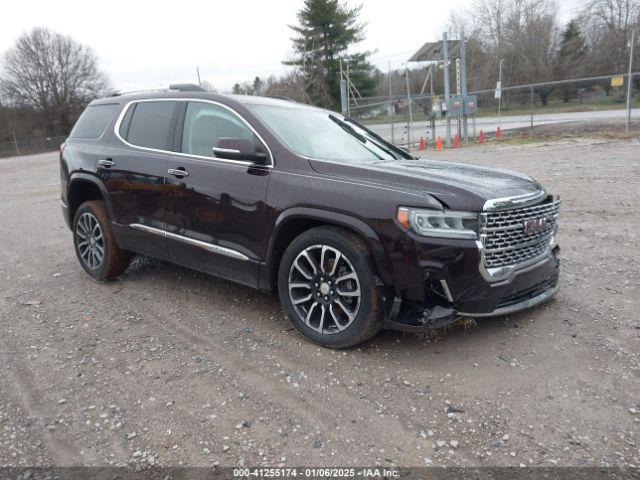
<point>505,247</point>
<point>514,202</point>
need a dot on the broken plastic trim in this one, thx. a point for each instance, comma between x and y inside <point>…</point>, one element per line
<point>408,317</point>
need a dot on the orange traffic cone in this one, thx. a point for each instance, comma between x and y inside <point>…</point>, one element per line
<point>481,137</point>
<point>498,133</point>
<point>422,145</point>
<point>456,141</point>
<point>439,144</point>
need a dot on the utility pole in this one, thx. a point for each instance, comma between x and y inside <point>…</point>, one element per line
<point>429,78</point>
<point>500,96</point>
<point>344,97</point>
<point>445,54</point>
<point>349,92</point>
<point>409,116</point>
<point>463,81</point>
<point>532,106</point>
<point>391,109</point>
<point>628,122</point>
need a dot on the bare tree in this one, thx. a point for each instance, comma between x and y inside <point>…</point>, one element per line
<point>523,33</point>
<point>608,25</point>
<point>52,74</point>
<point>291,85</point>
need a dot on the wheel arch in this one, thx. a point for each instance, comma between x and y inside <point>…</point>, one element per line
<point>297,220</point>
<point>83,188</point>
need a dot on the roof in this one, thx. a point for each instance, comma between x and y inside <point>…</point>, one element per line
<point>221,98</point>
<point>433,51</point>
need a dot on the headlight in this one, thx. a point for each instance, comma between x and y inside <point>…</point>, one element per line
<point>437,223</point>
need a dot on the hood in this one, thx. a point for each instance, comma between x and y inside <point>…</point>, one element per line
<point>459,186</point>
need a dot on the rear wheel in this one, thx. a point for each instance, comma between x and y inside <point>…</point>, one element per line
<point>94,244</point>
<point>328,289</point>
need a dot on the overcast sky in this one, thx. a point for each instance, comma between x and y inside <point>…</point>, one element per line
<point>144,44</point>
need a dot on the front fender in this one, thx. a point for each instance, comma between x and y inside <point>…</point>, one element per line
<point>328,217</point>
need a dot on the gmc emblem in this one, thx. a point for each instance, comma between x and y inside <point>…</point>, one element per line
<point>534,225</point>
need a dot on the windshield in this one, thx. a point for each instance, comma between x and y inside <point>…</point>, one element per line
<point>317,133</point>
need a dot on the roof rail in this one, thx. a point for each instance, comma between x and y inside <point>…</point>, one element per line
<point>178,87</point>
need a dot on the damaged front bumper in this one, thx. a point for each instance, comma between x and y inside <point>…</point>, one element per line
<point>526,288</point>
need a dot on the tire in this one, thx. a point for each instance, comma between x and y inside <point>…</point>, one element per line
<point>94,244</point>
<point>320,275</point>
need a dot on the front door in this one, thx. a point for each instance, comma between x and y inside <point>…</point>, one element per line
<point>217,218</point>
<point>134,170</point>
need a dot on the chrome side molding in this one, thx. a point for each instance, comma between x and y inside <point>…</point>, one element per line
<point>217,249</point>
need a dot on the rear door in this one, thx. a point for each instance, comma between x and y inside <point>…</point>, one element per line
<point>85,145</point>
<point>217,221</point>
<point>133,171</point>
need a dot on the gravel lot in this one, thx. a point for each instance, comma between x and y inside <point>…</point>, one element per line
<point>170,367</point>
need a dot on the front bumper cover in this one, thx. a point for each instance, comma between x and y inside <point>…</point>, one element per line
<point>470,295</point>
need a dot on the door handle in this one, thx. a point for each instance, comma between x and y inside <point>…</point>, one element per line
<point>106,162</point>
<point>178,172</point>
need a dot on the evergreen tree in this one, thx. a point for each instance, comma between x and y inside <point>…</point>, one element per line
<point>326,31</point>
<point>258,86</point>
<point>571,58</point>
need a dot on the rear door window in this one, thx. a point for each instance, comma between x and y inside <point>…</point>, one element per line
<point>94,120</point>
<point>151,125</point>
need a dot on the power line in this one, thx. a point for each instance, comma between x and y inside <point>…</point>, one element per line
<point>376,57</point>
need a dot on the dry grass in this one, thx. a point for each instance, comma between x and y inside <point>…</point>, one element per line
<point>563,131</point>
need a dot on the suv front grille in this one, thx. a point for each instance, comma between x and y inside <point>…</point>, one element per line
<point>505,240</point>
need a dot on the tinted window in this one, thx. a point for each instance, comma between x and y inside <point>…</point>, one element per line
<point>317,133</point>
<point>205,124</point>
<point>94,121</point>
<point>151,124</point>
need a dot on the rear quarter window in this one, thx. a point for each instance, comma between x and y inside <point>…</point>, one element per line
<point>94,120</point>
<point>150,124</point>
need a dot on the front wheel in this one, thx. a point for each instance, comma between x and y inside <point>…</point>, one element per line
<point>327,287</point>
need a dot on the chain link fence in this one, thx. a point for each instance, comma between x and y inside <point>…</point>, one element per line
<point>30,146</point>
<point>405,119</point>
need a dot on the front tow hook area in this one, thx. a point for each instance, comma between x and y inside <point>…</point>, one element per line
<point>407,317</point>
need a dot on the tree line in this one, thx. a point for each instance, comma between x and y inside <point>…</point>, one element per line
<point>536,47</point>
<point>527,35</point>
<point>46,78</point>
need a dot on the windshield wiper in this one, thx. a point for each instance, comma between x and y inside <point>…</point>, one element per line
<point>376,140</point>
<point>353,132</point>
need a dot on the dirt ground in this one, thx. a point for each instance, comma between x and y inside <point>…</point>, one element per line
<point>170,367</point>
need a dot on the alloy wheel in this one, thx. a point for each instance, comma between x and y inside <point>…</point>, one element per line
<point>324,289</point>
<point>90,241</point>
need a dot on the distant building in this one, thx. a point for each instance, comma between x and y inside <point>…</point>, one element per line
<point>431,51</point>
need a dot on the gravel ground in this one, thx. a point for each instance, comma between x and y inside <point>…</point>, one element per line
<point>166,366</point>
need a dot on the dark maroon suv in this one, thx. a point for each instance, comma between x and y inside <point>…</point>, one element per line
<point>353,233</point>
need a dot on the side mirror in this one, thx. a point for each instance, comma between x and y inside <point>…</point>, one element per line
<point>239,149</point>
